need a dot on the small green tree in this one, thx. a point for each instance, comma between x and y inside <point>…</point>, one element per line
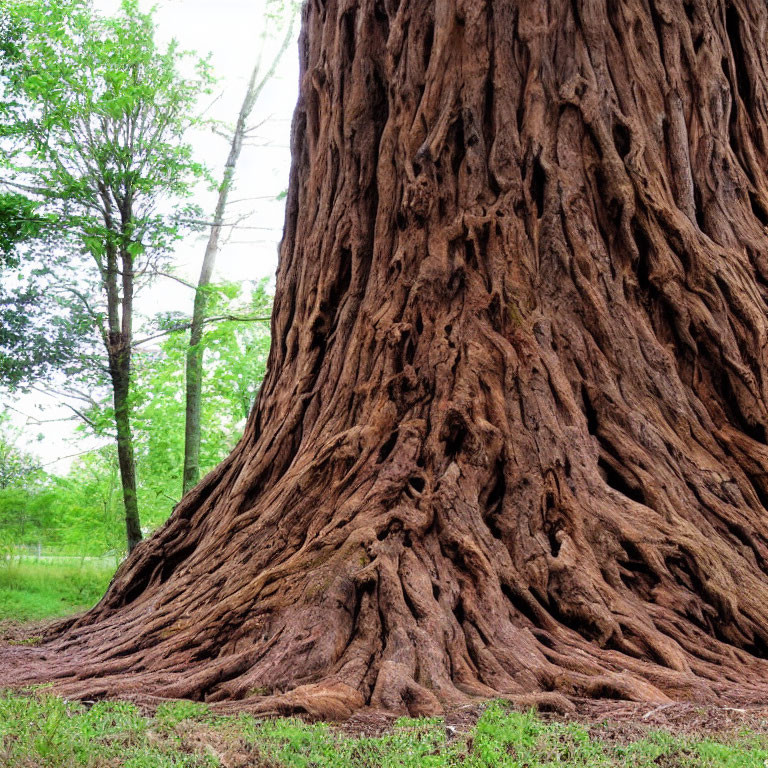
<point>86,505</point>
<point>97,138</point>
<point>79,513</point>
<point>17,465</point>
<point>22,482</point>
<point>280,14</point>
<point>234,348</point>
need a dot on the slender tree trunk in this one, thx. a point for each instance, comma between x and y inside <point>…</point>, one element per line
<point>194,362</point>
<point>120,370</point>
<point>194,382</point>
<point>117,340</point>
<point>125,451</point>
<point>512,439</point>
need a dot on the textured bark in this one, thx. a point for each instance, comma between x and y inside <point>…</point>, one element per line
<point>512,438</point>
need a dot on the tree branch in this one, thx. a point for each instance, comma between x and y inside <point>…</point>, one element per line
<point>214,319</point>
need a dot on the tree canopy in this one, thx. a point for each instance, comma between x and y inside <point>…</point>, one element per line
<point>97,137</point>
<point>96,165</point>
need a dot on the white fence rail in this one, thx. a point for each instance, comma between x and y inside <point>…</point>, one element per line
<point>29,552</point>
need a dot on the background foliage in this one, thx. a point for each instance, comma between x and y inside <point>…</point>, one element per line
<point>95,117</point>
<point>81,513</point>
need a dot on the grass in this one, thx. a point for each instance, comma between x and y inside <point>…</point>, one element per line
<point>44,731</point>
<point>31,590</point>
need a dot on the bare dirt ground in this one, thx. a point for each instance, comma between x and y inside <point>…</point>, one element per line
<point>619,721</point>
<point>22,632</point>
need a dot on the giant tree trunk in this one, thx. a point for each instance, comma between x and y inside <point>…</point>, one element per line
<point>512,439</point>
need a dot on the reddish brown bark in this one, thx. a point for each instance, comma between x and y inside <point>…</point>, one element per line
<point>512,439</point>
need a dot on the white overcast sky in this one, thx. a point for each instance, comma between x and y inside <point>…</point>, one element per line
<point>230,30</point>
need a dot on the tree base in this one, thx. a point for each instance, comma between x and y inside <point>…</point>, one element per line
<point>390,607</point>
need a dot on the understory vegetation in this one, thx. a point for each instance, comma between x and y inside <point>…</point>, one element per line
<point>46,731</point>
<point>81,513</point>
<point>32,590</point>
<point>104,195</point>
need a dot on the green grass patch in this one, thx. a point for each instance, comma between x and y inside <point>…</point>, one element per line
<point>31,590</point>
<point>45,731</point>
